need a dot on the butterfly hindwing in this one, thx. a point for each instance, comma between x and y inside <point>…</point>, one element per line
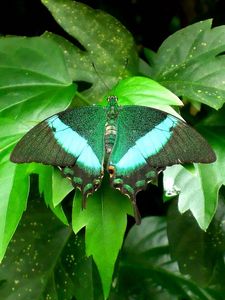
<point>72,140</point>
<point>148,140</point>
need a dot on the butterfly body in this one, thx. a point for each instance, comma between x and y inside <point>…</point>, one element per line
<point>132,143</point>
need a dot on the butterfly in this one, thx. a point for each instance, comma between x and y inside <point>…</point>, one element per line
<point>132,143</point>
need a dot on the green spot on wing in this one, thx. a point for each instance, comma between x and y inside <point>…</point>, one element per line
<point>67,171</point>
<point>77,180</point>
<point>117,181</point>
<point>88,187</point>
<point>151,174</point>
<point>140,183</point>
<point>128,188</point>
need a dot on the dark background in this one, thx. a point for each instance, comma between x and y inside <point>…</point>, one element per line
<point>149,21</point>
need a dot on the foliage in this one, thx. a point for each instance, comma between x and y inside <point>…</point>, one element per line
<point>37,78</point>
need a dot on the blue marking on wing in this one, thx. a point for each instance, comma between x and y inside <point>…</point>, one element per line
<point>148,145</point>
<point>151,143</point>
<point>88,160</point>
<point>74,144</point>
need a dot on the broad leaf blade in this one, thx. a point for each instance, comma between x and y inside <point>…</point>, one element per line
<point>199,191</point>
<point>105,219</point>
<point>46,261</point>
<point>109,54</point>
<point>144,91</point>
<point>146,269</point>
<point>52,193</point>
<point>28,69</point>
<point>61,188</point>
<point>33,86</point>
<point>13,203</point>
<point>198,253</point>
<point>191,63</point>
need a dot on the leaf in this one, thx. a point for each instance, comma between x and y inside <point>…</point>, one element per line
<point>13,204</point>
<point>196,191</point>
<point>199,191</point>
<point>191,63</point>
<point>105,219</point>
<point>45,260</point>
<point>29,73</point>
<point>107,52</point>
<point>198,253</point>
<point>60,188</point>
<point>144,91</point>
<point>146,270</point>
<point>54,191</point>
<point>31,81</point>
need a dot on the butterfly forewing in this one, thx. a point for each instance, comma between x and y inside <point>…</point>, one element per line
<point>148,140</point>
<point>72,140</point>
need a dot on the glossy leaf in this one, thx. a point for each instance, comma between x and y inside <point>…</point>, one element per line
<point>198,192</point>
<point>60,188</point>
<point>105,219</point>
<point>198,253</point>
<point>191,63</point>
<point>13,204</point>
<point>108,51</point>
<point>30,82</point>
<point>45,260</point>
<point>54,191</point>
<point>144,91</point>
<point>146,270</point>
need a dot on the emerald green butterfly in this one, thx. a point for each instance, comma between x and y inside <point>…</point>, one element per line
<point>132,143</point>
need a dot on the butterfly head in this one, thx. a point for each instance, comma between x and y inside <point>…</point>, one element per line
<point>112,100</point>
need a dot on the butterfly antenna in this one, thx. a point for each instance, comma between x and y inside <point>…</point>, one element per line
<point>99,76</point>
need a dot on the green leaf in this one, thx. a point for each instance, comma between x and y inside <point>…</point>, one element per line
<point>144,91</point>
<point>13,203</point>
<point>199,191</point>
<point>191,63</point>
<point>54,191</point>
<point>108,51</point>
<point>31,69</point>
<point>105,219</point>
<point>146,270</point>
<point>60,188</point>
<point>198,253</point>
<point>45,260</point>
<point>30,82</point>
<point>33,86</point>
